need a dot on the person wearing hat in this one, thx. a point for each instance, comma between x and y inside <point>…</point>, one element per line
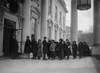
<point>27,48</point>
<point>45,48</point>
<point>52,49</point>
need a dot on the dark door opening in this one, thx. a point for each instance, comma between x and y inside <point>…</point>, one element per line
<point>9,31</point>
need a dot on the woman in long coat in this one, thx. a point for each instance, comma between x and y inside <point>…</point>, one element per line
<point>67,47</point>
<point>45,48</point>
<point>87,51</point>
<point>52,49</point>
<point>39,51</point>
<point>14,48</point>
<point>80,49</point>
<point>61,48</point>
<point>27,48</point>
<point>74,49</point>
<point>33,46</point>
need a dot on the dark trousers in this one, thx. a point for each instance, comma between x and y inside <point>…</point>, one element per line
<point>80,54</point>
<point>34,55</point>
<point>44,56</point>
<point>74,54</point>
<point>49,52</point>
<point>52,54</point>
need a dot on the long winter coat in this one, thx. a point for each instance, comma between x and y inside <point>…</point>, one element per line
<point>45,47</point>
<point>14,46</point>
<point>67,49</point>
<point>74,49</point>
<point>87,51</point>
<point>61,50</point>
<point>39,52</point>
<point>80,50</point>
<point>52,47</point>
<point>27,48</point>
<point>34,46</point>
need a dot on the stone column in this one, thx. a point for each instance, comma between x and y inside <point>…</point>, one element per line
<point>26,21</point>
<point>74,33</point>
<point>39,23</point>
<point>96,48</point>
<point>44,18</point>
<point>1,32</point>
<point>96,22</point>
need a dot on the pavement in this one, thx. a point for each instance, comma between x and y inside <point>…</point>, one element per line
<point>84,65</point>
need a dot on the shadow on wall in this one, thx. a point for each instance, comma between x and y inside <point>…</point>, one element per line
<point>96,61</point>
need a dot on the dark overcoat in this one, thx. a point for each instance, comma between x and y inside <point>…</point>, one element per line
<point>14,45</point>
<point>45,47</point>
<point>87,51</point>
<point>39,52</point>
<point>67,48</point>
<point>80,50</point>
<point>14,48</point>
<point>61,50</point>
<point>34,46</point>
<point>27,48</point>
<point>74,49</point>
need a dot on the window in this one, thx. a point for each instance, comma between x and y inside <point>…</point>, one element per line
<point>49,33</point>
<point>63,21</point>
<point>59,34</point>
<point>55,35</point>
<point>50,7</point>
<point>56,13</point>
<point>60,19</point>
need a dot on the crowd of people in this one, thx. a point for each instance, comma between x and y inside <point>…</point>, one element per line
<point>55,50</point>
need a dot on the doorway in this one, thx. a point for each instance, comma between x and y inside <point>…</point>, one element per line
<point>9,31</point>
<point>34,27</point>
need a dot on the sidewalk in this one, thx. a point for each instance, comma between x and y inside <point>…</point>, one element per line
<point>84,65</point>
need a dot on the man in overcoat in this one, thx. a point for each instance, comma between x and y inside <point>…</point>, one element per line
<point>33,46</point>
<point>45,48</point>
<point>27,48</point>
<point>80,49</point>
<point>60,47</point>
<point>14,48</point>
<point>74,49</point>
<point>68,49</point>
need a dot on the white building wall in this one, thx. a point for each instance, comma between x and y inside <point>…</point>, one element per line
<point>36,15</point>
<point>32,20</point>
<point>46,17</point>
<point>60,9</point>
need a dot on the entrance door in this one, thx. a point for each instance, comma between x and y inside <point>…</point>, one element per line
<point>34,27</point>
<point>9,31</point>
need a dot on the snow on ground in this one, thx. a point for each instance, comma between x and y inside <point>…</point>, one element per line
<point>85,65</point>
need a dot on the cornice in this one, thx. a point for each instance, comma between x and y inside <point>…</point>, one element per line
<point>62,2</point>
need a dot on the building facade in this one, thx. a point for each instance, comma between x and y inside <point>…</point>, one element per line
<point>53,19</point>
<point>22,18</point>
<point>68,34</point>
<point>19,18</point>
